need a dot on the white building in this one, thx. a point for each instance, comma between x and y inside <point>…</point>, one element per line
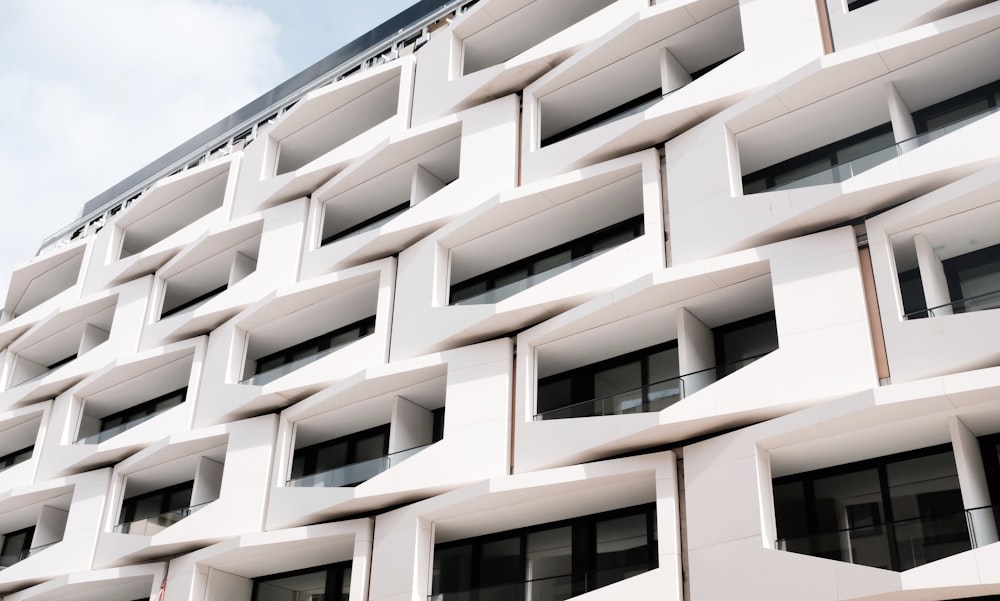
<point>524,300</point>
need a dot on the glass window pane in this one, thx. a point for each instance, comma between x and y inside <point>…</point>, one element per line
<point>510,277</point>
<point>553,261</point>
<point>618,379</point>
<point>500,562</point>
<point>864,147</point>
<point>452,569</point>
<point>147,507</point>
<point>622,548</point>
<point>303,587</point>
<point>550,565</point>
<point>345,586</point>
<point>612,240</point>
<point>371,446</point>
<point>620,387</point>
<point>850,519</point>
<point>331,456</point>
<point>179,499</point>
<point>795,173</point>
<point>553,394</point>
<point>957,114</point>
<point>929,518</point>
<point>663,365</point>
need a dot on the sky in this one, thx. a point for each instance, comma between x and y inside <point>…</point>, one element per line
<point>91,91</point>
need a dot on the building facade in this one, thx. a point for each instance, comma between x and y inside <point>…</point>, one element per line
<point>525,300</point>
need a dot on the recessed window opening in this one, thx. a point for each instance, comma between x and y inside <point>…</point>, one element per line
<point>58,347</point>
<point>352,444</point>
<point>200,283</point>
<point>548,562</point>
<point>533,23</point>
<point>185,209</point>
<point>845,158</point>
<point>16,546</point>
<point>311,141</point>
<point>856,4</point>
<point>636,82</point>
<point>26,295</point>
<point>323,583</point>
<point>159,497</point>
<point>115,423</point>
<point>16,457</point>
<point>649,379</point>
<point>150,512</point>
<point>272,366</point>
<point>373,203</point>
<point>506,281</point>
<point>895,513</point>
<point>950,265</point>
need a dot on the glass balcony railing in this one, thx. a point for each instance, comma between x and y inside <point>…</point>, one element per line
<point>902,544</point>
<point>354,473</point>
<point>271,375</point>
<point>844,171</point>
<point>8,560</point>
<point>652,397</point>
<point>115,431</point>
<point>508,290</point>
<point>555,588</point>
<point>152,525</point>
<point>979,302</point>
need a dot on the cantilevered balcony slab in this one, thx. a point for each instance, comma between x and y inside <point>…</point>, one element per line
<point>814,286</point>
<point>440,170</point>
<point>405,538</point>
<point>232,565</point>
<point>500,46</point>
<point>950,410</point>
<point>174,212</point>
<point>66,514</point>
<point>586,108</point>
<point>465,382</point>
<point>113,584</point>
<point>885,17</point>
<point>74,442</point>
<point>61,350</point>
<point>35,284</point>
<point>21,429</point>
<point>845,93</point>
<point>519,224</point>
<point>229,466</point>
<point>288,317</point>
<point>324,132</point>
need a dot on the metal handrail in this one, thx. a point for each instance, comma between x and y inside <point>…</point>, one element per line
<point>994,294</point>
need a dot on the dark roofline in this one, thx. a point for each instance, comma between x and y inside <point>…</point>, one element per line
<point>242,117</point>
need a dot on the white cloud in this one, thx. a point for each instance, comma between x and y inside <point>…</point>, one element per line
<point>92,91</point>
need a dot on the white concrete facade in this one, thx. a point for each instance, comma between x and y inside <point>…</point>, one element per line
<point>679,300</point>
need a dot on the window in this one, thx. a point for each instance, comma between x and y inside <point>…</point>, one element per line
<point>856,4</point>
<point>358,448</point>
<point>368,224</point>
<point>644,380</point>
<point>160,508</point>
<point>16,544</point>
<point>194,301</point>
<point>895,512</point>
<point>19,456</point>
<point>957,109</point>
<point>649,379</point>
<point>310,349</point>
<point>739,343</point>
<point>820,166</point>
<point>325,583</point>
<point>503,282</point>
<point>973,284</point>
<point>549,562</point>
<point>125,419</point>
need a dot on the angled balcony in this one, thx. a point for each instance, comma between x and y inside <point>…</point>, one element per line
<point>43,278</point>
